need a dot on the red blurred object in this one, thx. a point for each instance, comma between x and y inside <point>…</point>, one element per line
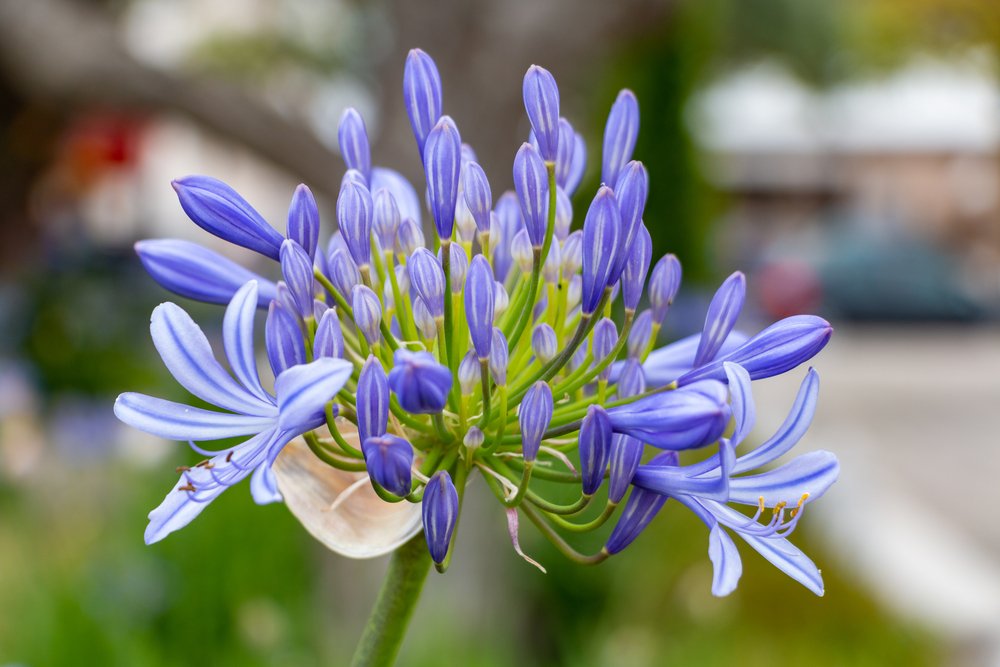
<point>100,142</point>
<point>788,288</point>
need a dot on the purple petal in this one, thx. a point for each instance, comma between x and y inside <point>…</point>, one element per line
<point>303,220</point>
<point>741,400</point>
<point>809,475</point>
<point>726,563</point>
<point>304,390</point>
<point>721,317</point>
<point>237,338</point>
<point>791,431</point>
<point>176,421</point>
<point>198,273</point>
<point>219,210</point>
<point>421,94</point>
<point>620,135</point>
<point>188,356</point>
<point>531,184</point>
<point>541,101</point>
<point>443,165</point>
<point>283,339</point>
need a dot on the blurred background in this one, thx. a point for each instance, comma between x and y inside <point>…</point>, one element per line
<point>845,155</point>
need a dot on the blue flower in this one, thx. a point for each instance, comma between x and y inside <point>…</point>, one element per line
<point>301,393</point>
<point>708,487</point>
<point>420,383</point>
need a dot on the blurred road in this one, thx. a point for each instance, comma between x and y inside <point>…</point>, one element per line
<point>914,415</point>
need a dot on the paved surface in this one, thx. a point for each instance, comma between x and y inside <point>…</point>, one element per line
<point>914,415</point>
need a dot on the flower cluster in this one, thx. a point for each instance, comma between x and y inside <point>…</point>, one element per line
<point>489,350</point>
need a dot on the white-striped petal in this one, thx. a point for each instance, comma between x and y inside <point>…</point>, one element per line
<point>188,356</point>
<point>177,421</point>
<point>237,338</point>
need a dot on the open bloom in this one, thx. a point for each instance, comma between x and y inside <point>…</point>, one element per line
<point>707,488</point>
<point>488,347</point>
<point>301,393</point>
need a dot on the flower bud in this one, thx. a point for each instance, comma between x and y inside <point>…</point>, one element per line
<point>372,400</point>
<point>344,273</point>
<point>479,305</point>
<point>531,184</point>
<point>638,337</point>
<point>420,383</point>
<point>409,237</point>
<point>578,166</point>
<point>297,269</point>
<point>521,251</point>
<point>640,509</point>
<point>423,319</point>
<point>636,266</point>
<point>685,418</point>
<point>440,514</point>
<point>329,339</point>
<point>721,317</point>
<point>367,312</point>
<point>550,268</point>
<point>285,299</point>
<point>458,267</point>
<point>595,446</point>
<point>353,139</point>
<point>474,438</point>
<point>632,380</point>
<point>385,218</point>
<point>601,230</point>
<point>663,285</point>
<point>605,339</point>
<point>283,339</point>
<point>631,191</point>
<point>775,350</point>
<point>500,300</point>
<point>574,291</point>
<point>541,101</point>
<point>534,416</point>
<point>626,454</point>
<point>427,279</point>
<point>401,189</point>
<point>389,460</point>
<point>478,196</point>
<point>464,222</point>
<point>469,371</point>
<point>219,210</point>
<point>443,163</point>
<point>198,273</point>
<point>564,214</point>
<point>354,215</point>
<point>303,220</point>
<point>498,358</point>
<point>578,358</point>
<point>402,279</point>
<point>507,215</point>
<point>620,134</point>
<point>544,343</point>
<point>421,94</point>
<point>564,152</point>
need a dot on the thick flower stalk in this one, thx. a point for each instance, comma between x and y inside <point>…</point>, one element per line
<point>489,347</point>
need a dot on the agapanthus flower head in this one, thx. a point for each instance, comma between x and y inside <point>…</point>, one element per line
<point>503,345</point>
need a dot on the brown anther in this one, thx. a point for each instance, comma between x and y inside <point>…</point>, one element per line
<point>187,487</point>
<point>182,468</point>
<point>204,464</point>
<point>229,456</point>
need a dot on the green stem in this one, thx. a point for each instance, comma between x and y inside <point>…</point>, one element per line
<point>386,627</point>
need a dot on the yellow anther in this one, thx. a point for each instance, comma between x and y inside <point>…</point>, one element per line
<point>760,504</point>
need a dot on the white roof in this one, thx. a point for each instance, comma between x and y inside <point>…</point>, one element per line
<point>928,106</point>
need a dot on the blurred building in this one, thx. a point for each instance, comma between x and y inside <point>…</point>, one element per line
<point>881,197</point>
